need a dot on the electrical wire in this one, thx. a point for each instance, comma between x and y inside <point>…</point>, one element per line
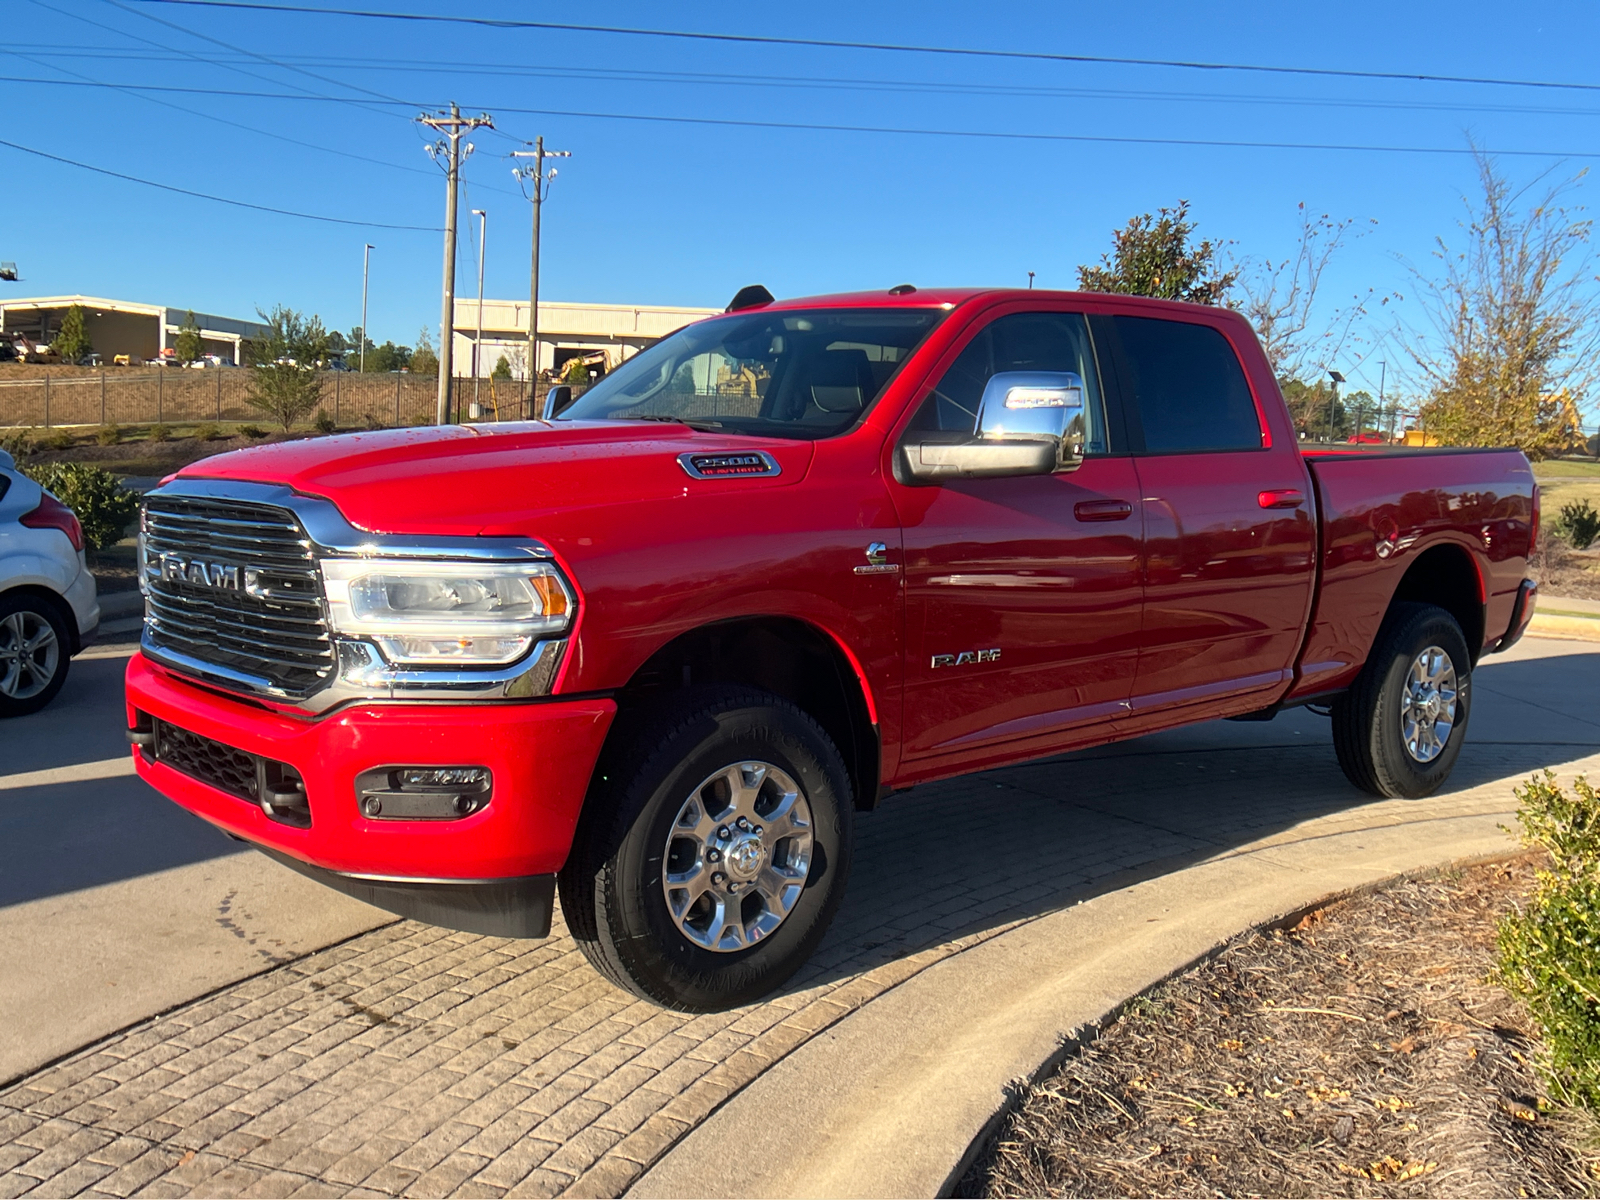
<point>837,83</point>
<point>889,47</point>
<point>895,130</point>
<point>167,187</point>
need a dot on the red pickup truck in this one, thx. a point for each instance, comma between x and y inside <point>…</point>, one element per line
<point>655,650</point>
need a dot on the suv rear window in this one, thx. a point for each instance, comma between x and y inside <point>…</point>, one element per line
<point>1187,387</point>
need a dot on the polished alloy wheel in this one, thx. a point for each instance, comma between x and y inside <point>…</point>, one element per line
<point>29,653</point>
<point>737,856</point>
<point>1428,706</point>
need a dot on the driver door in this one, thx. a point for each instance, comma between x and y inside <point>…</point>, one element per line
<point>1023,595</point>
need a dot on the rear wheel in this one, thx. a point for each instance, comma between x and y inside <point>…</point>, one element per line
<point>1399,729</point>
<point>715,852</point>
<point>34,654</point>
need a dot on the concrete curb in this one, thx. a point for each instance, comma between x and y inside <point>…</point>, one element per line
<point>1565,625</point>
<point>898,1097</point>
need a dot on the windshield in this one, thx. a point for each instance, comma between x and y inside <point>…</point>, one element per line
<point>794,374</point>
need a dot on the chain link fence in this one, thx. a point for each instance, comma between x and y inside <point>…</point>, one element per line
<point>169,396</point>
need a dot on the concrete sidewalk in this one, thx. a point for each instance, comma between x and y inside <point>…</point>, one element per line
<point>987,917</point>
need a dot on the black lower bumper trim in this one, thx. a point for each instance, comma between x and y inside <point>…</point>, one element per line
<point>1521,614</point>
<point>510,908</point>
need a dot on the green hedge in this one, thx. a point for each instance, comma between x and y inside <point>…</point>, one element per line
<point>104,507</point>
<point>1550,950</point>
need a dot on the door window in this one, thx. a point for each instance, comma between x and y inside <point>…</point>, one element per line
<point>1031,341</point>
<point>1188,390</point>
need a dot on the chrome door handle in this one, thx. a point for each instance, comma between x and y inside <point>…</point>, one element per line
<point>1102,510</point>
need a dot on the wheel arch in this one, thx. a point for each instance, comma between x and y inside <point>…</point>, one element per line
<point>56,603</point>
<point>1447,575</point>
<point>786,656</point>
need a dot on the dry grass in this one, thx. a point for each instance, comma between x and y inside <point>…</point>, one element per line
<point>1361,1053</point>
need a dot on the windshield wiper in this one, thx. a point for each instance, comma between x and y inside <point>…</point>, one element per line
<point>691,422</point>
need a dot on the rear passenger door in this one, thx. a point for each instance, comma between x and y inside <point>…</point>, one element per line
<point>1228,527</point>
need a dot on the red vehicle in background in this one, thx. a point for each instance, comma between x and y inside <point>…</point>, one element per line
<point>655,651</point>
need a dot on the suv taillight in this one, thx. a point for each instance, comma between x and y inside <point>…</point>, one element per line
<point>1533,523</point>
<point>52,514</point>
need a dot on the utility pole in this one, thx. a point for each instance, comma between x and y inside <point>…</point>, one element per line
<point>477,341</point>
<point>452,127</point>
<point>541,186</point>
<point>1383,373</point>
<point>366,261</point>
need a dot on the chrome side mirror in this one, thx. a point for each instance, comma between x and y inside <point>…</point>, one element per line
<point>1036,405</point>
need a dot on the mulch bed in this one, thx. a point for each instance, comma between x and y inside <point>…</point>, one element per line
<point>1361,1053</point>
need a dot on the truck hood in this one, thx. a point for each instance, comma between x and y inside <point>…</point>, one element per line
<point>496,479</point>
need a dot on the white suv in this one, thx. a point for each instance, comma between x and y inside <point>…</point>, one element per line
<point>48,609</point>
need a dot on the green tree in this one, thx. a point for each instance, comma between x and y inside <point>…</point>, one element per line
<point>423,360</point>
<point>188,346</point>
<point>502,369</point>
<point>287,386</point>
<point>357,339</point>
<point>1155,256</point>
<point>1515,321</point>
<point>388,357</point>
<point>72,340</point>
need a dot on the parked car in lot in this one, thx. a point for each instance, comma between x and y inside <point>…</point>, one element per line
<point>655,652</point>
<point>48,606</point>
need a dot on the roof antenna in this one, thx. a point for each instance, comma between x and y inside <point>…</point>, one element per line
<point>754,296</point>
<point>902,289</point>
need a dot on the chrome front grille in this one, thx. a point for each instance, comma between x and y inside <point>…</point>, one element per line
<point>233,594</point>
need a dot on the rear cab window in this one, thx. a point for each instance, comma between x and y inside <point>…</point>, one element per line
<point>1185,390</point>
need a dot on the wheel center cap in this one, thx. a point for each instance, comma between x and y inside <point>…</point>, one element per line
<point>745,856</point>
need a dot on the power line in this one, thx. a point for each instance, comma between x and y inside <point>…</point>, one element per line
<point>1009,135</point>
<point>167,187</point>
<point>830,83</point>
<point>889,47</point>
<point>908,131</point>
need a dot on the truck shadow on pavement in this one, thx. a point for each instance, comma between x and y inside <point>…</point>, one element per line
<point>416,1061</point>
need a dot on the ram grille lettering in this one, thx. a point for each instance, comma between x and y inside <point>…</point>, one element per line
<point>219,576</point>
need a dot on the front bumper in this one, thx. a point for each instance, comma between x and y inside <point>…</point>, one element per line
<point>540,755</point>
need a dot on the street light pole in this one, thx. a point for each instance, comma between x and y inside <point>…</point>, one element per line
<point>1333,401</point>
<point>540,187</point>
<point>477,341</point>
<point>366,261</point>
<point>1383,372</point>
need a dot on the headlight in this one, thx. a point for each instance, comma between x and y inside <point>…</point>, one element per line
<point>466,613</point>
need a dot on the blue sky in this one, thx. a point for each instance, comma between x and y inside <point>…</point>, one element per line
<point>653,212</point>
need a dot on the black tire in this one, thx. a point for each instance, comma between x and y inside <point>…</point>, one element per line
<point>32,612</point>
<point>612,891</point>
<point>1367,730</point>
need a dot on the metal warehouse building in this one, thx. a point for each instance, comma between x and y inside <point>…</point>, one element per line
<point>566,331</point>
<point>141,331</point>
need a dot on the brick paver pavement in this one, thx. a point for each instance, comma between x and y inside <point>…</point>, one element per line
<point>416,1061</point>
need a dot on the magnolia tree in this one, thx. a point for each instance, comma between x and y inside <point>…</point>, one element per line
<point>1156,256</point>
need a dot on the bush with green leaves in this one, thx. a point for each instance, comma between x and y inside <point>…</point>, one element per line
<point>1579,523</point>
<point>17,442</point>
<point>103,506</point>
<point>208,432</point>
<point>58,439</point>
<point>108,435</point>
<point>160,433</point>
<point>253,432</point>
<point>1550,949</point>
<point>323,423</point>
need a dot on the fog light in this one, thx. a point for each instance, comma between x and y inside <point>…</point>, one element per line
<point>423,793</point>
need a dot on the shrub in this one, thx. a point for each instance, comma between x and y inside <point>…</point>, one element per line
<point>108,435</point>
<point>207,432</point>
<point>18,443</point>
<point>1550,950</point>
<point>60,439</point>
<point>374,421</point>
<point>252,432</point>
<point>160,433</point>
<point>1579,523</point>
<point>323,423</point>
<point>104,508</point>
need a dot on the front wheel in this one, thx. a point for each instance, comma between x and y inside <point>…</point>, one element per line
<point>1399,729</point>
<point>714,851</point>
<point>34,655</point>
